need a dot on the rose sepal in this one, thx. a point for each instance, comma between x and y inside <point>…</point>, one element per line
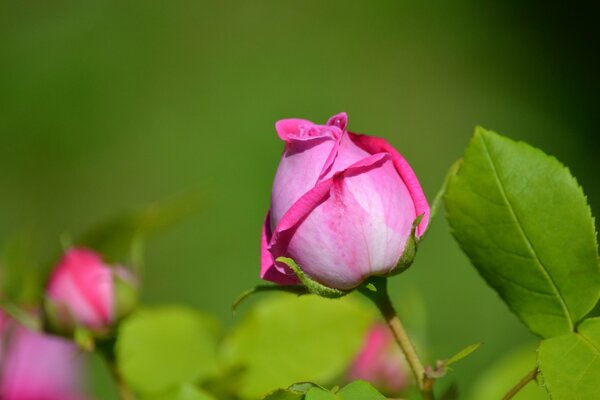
<point>312,286</point>
<point>410,249</point>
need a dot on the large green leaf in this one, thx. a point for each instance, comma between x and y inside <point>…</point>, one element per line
<point>162,348</point>
<point>286,339</point>
<point>525,224</point>
<point>570,364</point>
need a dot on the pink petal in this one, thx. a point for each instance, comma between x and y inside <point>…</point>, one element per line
<point>268,270</point>
<point>40,367</point>
<point>85,284</point>
<point>320,231</point>
<point>376,145</point>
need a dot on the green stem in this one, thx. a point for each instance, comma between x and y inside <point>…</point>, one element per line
<point>376,290</point>
<point>531,375</point>
<point>106,348</point>
<point>124,392</point>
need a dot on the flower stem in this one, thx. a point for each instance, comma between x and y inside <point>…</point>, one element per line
<point>531,375</point>
<point>124,392</point>
<point>106,349</point>
<point>376,290</point>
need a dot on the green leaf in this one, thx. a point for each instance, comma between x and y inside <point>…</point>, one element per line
<point>286,339</point>
<point>320,394</point>
<point>294,392</point>
<point>504,373</point>
<point>184,392</point>
<point>357,390</point>
<point>121,239</point>
<point>462,354</point>
<point>570,364</point>
<point>526,226</point>
<point>162,348</point>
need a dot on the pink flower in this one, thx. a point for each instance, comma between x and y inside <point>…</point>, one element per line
<point>38,367</point>
<point>380,362</point>
<point>342,205</point>
<point>84,288</point>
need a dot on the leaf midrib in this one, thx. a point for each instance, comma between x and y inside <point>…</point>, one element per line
<point>526,238</point>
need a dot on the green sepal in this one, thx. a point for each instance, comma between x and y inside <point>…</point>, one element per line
<point>295,289</point>
<point>84,339</point>
<point>57,318</point>
<point>312,286</point>
<point>410,249</point>
<point>126,295</point>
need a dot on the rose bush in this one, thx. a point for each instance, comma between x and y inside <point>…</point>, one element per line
<point>342,206</point>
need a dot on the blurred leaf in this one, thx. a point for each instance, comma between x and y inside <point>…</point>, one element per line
<point>294,392</point>
<point>184,392</point>
<point>320,394</point>
<point>524,222</point>
<point>286,339</point>
<point>121,239</point>
<point>462,354</point>
<point>357,390</point>
<point>503,374</point>
<point>161,348</point>
<point>294,289</point>
<point>570,364</point>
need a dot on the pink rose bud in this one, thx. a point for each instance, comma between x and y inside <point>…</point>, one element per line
<point>342,206</point>
<point>380,362</point>
<point>84,291</point>
<point>38,367</point>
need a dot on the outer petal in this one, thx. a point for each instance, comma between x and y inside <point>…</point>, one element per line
<point>376,145</point>
<point>40,367</point>
<point>268,270</point>
<point>340,120</point>
<point>299,171</point>
<point>339,232</point>
<point>290,126</point>
<point>85,284</point>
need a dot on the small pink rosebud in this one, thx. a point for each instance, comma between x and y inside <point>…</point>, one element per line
<point>36,366</point>
<point>342,206</point>
<point>380,362</point>
<point>84,291</point>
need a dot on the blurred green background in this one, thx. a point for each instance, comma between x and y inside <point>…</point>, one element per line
<point>108,105</point>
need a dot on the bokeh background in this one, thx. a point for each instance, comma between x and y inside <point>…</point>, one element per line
<point>105,106</point>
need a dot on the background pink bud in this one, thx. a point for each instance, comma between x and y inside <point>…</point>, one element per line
<point>83,287</point>
<point>380,362</point>
<point>342,205</point>
<point>35,366</point>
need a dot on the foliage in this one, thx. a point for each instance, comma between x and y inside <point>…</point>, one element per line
<point>525,224</point>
